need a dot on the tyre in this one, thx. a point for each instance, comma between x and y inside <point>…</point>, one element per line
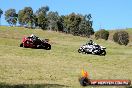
<point>48,47</point>
<point>21,45</point>
<point>25,43</point>
<point>103,53</point>
<point>79,51</point>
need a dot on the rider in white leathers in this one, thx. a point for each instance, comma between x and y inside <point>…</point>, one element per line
<point>90,45</point>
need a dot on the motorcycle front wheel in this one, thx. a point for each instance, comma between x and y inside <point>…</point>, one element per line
<point>21,45</point>
<point>79,51</point>
<point>48,47</point>
<point>103,53</point>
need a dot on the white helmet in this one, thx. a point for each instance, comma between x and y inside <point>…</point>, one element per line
<point>32,35</point>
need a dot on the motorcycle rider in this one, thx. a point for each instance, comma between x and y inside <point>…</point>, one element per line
<point>35,38</point>
<point>90,42</point>
<point>92,45</point>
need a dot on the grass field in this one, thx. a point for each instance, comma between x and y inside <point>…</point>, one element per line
<point>61,66</point>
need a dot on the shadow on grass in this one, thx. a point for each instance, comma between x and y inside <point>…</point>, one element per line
<point>129,87</point>
<point>4,85</point>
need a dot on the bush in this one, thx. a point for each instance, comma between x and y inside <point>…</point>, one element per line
<point>121,37</point>
<point>102,34</point>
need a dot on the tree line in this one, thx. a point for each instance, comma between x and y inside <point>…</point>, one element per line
<point>76,24</point>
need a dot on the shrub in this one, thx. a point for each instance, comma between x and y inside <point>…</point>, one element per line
<point>121,37</point>
<point>102,34</point>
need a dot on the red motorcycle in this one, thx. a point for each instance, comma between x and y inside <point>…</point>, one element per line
<point>35,42</point>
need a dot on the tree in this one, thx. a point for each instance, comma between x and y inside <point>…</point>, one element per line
<point>28,17</point>
<point>43,10</point>
<point>60,24</point>
<point>121,37</point>
<point>72,22</point>
<point>11,17</point>
<point>85,26</point>
<point>42,21</point>
<point>21,18</point>
<point>78,24</point>
<point>41,17</point>
<point>53,21</point>
<point>102,34</point>
<point>1,12</point>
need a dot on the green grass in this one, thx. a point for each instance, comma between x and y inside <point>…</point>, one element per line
<point>61,66</point>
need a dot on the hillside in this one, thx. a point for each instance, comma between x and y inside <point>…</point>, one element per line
<point>61,66</point>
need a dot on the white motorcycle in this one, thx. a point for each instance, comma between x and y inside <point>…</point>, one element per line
<point>92,49</point>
